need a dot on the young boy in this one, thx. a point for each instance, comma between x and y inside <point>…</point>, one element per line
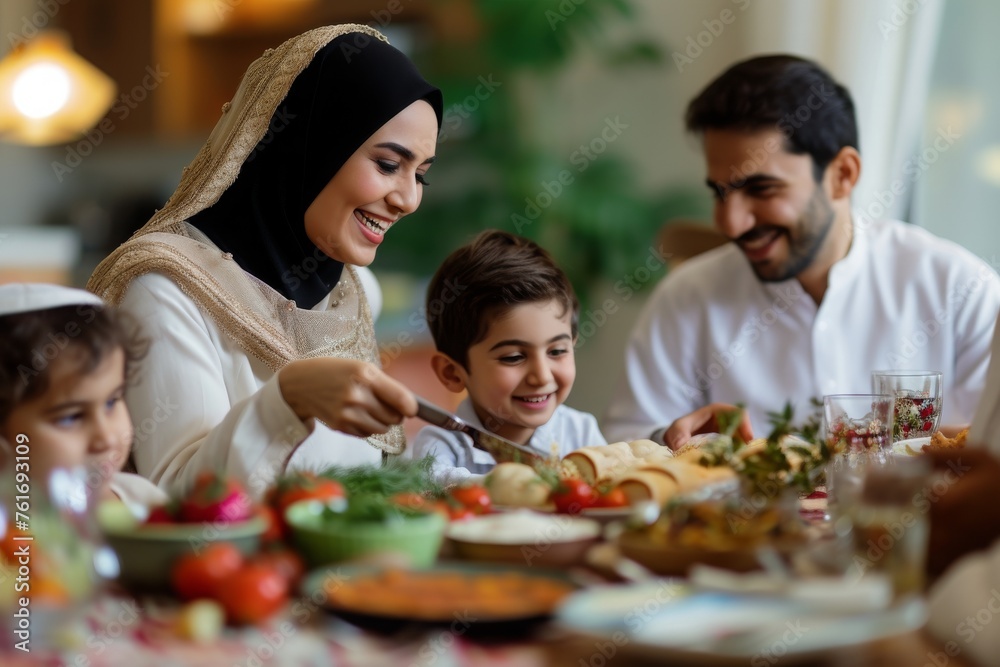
<point>504,321</point>
<point>64,359</point>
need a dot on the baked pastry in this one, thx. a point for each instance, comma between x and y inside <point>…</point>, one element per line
<point>643,485</point>
<point>516,485</point>
<point>602,462</point>
<point>940,441</point>
<point>643,449</point>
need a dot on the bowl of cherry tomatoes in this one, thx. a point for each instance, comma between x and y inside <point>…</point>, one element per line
<point>216,509</point>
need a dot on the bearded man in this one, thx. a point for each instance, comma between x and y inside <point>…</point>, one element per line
<point>809,297</point>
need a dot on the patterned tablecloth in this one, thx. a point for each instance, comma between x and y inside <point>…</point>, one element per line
<point>121,631</point>
<point>118,630</point>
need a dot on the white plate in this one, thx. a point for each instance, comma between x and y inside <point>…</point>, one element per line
<point>911,447</point>
<point>523,527</point>
<point>603,515</point>
<point>666,621</point>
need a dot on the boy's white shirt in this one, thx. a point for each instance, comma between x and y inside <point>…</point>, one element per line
<point>456,460</point>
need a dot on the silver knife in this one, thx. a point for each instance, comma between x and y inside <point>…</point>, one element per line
<point>504,451</point>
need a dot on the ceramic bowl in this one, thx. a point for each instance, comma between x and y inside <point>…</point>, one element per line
<point>322,538</point>
<point>670,559</point>
<point>674,560</point>
<point>524,538</point>
<point>146,553</point>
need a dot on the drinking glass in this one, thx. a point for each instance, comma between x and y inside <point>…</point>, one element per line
<point>858,430</point>
<point>889,530</point>
<point>918,401</point>
<point>858,425</point>
<point>51,546</point>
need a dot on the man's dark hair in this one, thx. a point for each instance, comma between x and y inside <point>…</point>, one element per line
<point>793,95</point>
<point>486,278</point>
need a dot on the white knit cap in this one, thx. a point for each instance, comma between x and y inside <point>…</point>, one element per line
<point>28,297</point>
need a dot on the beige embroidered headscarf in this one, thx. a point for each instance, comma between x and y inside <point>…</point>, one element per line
<point>264,323</point>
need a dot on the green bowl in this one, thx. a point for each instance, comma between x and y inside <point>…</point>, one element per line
<point>321,541</point>
<point>146,554</point>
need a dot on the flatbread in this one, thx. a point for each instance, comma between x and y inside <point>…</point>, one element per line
<point>601,463</point>
<point>642,485</point>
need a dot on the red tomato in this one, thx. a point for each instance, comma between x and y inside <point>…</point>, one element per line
<point>284,561</point>
<point>160,514</point>
<point>473,496</point>
<point>412,500</point>
<point>614,497</point>
<point>275,527</point>
<point>216,497</point>
<point>253,594</point>
<point>441,507</point>
<point>11,548</point>
<point>573,495</point>
<point>303,486</point>
<point>460,513</point>
<point>200,575</point>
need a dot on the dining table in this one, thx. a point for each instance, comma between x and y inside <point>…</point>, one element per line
<point>118,628</point>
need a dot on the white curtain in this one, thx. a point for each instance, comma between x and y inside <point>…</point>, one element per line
<point>883,51</point>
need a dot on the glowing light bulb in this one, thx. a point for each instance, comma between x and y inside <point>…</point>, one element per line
<point>41,90</point>
<point>988,165</point>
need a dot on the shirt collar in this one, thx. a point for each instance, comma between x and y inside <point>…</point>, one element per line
<point>855,253</point>
<point>792,288</point>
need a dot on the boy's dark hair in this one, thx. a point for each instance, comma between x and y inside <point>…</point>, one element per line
<point>787,93</point>
<point>486,278</point>
<point>30,342</point>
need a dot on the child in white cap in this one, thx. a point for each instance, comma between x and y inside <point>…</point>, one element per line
<point>64,361</point>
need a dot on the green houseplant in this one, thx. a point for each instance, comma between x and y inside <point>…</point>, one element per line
<point>494,174</point>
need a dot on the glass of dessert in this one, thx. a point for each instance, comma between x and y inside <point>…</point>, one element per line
<point>917,411</point>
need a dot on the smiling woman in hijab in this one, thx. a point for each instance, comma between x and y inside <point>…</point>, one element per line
<point>251,281</point>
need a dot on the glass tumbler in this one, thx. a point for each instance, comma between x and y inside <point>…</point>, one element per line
<point>858,425</point>
<point>918,401</point>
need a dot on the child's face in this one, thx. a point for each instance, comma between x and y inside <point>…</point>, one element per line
<point>523,370</point>
<point>81,419</point>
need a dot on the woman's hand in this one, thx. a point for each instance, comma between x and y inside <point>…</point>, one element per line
<point>704,420</point>
<point>351,396</point>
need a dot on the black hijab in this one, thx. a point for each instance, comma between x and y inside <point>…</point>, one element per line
<point>352,87</point>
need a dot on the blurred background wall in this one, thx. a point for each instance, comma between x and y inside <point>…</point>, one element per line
<point>563,123</point>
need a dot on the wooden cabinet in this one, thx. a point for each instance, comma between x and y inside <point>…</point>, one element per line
<point>116,36</point>
<point>185,58</point>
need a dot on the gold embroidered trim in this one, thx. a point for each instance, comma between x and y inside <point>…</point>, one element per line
<point>246,310</point>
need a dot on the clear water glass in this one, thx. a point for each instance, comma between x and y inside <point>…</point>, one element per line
<point>858,425</point>
<point>918,401</point>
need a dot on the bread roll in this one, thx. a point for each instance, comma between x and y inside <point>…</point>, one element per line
<point>757,445</point>
<point>642,485</point>
<point>516,485</point>
<point>666,454</point>
<point>602,462</point>
<point>692,455</point>
<point>687,475</point>
<point>642,449</point>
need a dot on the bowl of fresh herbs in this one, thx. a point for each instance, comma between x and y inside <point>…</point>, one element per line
<point>366,525</point>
